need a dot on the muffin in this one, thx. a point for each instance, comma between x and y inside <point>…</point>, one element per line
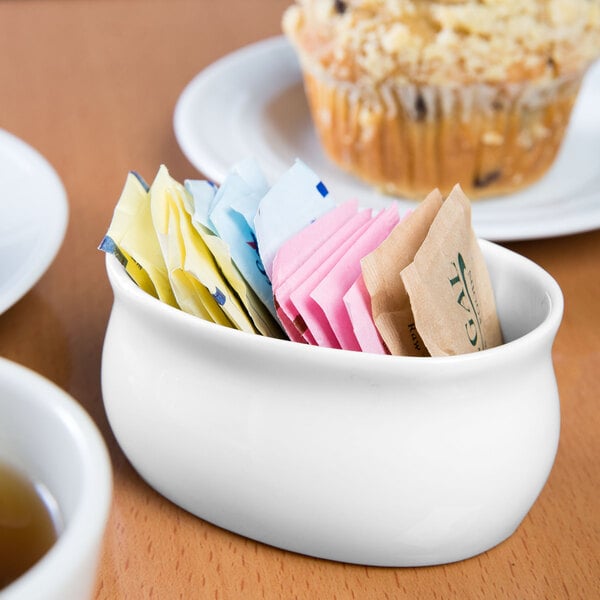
<point>410,95</point>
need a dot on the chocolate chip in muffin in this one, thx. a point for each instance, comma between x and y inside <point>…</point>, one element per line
<point>340,6</point>
<point>420,107</point>
<point>486,179</point>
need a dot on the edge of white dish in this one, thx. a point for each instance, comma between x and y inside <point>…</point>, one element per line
<point>49,228</point>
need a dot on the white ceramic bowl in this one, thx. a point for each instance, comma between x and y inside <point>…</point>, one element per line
<point>348,456</point>
<point>49,437</point>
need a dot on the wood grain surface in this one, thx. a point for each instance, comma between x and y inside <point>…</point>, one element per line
<point>92,85</point>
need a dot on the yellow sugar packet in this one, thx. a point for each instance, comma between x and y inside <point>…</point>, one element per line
<point>260,315</point>
<point>449,285</point>
<point>188,259</point>
<point>193,296</point>
<point>132,239</point>
<point>390,304</point>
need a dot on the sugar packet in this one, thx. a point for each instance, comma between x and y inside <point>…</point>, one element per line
<point>197,281</point>
<point>328,251</point>
<point>310,313</point>
<point>390,304</point>
<point>449,286</point>
<point>294,201</point>
<point>293,256</point>
<point>132,240</point>
<point>329,292</point>
<point>201,194</point>
<point>358,305</point>
<point>229,215</point>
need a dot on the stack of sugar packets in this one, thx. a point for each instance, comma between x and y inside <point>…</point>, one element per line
<point>285,260</point>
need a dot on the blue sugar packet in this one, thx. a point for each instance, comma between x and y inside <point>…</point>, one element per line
<point>295,201</point>
<point>243,189</point>
<point>229,214</point>
<point>203,193</point>
<point>251,185</point>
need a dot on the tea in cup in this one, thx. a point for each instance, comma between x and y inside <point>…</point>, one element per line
<point>55,490</point>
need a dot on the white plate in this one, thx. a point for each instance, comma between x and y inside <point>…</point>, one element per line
<point>33,217</point>
<point>251,102</point>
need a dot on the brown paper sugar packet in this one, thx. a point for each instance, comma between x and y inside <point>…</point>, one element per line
<point>390,304</point>
<point>449,286</point>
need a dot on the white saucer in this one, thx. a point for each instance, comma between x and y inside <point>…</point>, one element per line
<point>33,217</point>
<point>251,102</point>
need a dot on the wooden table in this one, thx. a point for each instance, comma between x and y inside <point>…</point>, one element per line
<point>92,85</point>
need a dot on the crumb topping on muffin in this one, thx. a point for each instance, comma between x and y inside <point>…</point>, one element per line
<point>445,41</point>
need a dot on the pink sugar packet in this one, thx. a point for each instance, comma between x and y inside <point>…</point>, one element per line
<point>286,310</point>
<point>295,251</point>
<point>293,254</point>
<point>358,304</point>
<point>329,293</point>
<point>309,312</point>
